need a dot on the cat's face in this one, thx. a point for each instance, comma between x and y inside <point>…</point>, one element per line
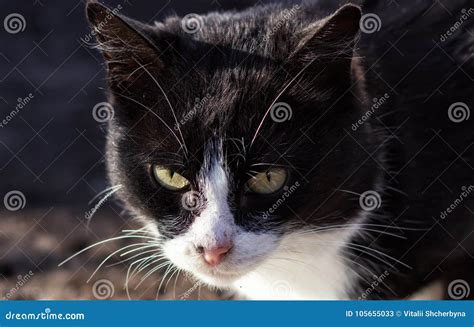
<point>224,152</point>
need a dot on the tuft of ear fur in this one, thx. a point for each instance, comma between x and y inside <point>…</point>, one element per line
<point>333,37</point>
<point>122,40</point>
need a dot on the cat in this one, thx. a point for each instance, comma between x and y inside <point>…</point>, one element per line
<point>294,151</point>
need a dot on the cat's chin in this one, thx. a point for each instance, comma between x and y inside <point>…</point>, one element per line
<point>216,278</point>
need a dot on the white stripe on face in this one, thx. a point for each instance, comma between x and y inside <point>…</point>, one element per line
<point>215,225</point>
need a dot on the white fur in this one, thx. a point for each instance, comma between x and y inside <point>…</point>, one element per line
<point>302,268</point>
<point>433,291</point>
<point>260,265</point>
<point>216,224</point>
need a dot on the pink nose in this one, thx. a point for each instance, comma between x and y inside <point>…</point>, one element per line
<point>214,256</point>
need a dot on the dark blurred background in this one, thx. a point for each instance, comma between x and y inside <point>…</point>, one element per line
<point>52,149</point>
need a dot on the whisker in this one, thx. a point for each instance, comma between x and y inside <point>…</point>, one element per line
<point>167,100</point>
<point>101,202</point>
<point>110,256</point>
<point>276,99</point>
<point>102,242</point>
<point>131,258</point>
<point>104,191</point>
<point>156,268</point>
<point>152,112</point>
<point>163,278</point>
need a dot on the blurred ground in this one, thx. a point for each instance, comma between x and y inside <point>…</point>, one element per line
<point>36,241</point>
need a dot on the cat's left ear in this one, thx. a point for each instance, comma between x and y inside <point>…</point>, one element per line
<point>332,38</point>
<point>123,41</point>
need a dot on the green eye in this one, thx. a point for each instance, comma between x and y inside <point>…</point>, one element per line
<point>169,179</point>
<point>268,181</point>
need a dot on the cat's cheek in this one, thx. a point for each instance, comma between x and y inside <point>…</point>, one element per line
<point>179,252</point>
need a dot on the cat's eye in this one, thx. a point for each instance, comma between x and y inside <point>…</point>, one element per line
<point>169,179</point>
<point>268,181</point>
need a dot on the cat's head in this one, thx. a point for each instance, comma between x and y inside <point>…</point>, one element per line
<point>232,131</point>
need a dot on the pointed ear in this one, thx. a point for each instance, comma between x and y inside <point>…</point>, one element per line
<point>333,37</point>
<point>122,41</point>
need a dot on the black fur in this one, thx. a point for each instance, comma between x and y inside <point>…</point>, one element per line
<point>240,61</point>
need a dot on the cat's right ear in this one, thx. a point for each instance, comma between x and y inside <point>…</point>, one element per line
<point>333,37</point>
<point>123,41</point>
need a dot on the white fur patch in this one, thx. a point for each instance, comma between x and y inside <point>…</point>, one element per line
<point>433,291</point>
<point>213,225</point>
<point>260,265</point>
<point>304,267</point>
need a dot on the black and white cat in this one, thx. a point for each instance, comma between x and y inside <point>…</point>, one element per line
<point>282,153</point>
